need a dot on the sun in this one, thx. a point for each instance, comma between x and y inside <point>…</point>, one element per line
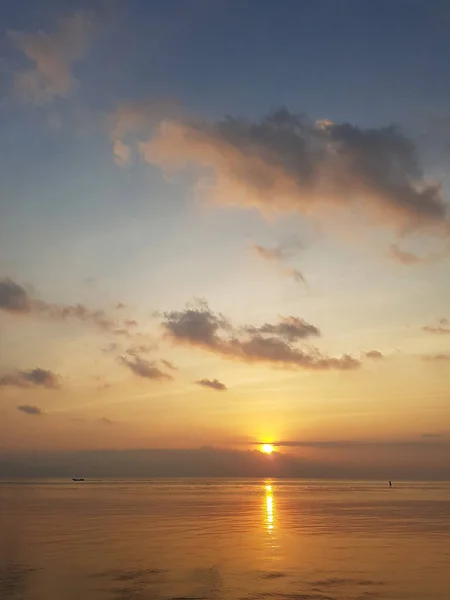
<point>267,448</point>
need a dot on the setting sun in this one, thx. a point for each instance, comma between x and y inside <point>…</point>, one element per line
<point>267,448</point>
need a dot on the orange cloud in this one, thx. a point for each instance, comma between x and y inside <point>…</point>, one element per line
<point>283,163</point>
<point>403,257</point>
<point>52,55</point>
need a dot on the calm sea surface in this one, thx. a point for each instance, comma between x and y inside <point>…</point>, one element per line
<point>165,539</point>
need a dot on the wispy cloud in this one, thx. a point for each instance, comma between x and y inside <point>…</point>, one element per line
<point>33,377</point>
<point>442,357</point>
<point>52,56</point>
<point>285,162</point>
<point>403,257</point>
<point>443,327</point>
<point>214,384</point>
<point>144,368</point>
<point>168,364</point>
<point>15,300</point>
<point>270,343</point>
<point>30,410</point>
<point>277,255</point>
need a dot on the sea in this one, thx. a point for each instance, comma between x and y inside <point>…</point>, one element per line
<point>230,539</point>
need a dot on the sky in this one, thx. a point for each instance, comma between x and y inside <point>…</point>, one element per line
<point>225,223</point>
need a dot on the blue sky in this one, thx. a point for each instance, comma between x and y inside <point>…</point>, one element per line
<point>122,183</point>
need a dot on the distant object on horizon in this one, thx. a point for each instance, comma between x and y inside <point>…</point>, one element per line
<point>390,483</point>
<point>77,479</point>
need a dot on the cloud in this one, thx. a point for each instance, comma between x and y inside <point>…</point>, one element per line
<point>168,364</point>
<point>214,384</point>
<point>277,256</point>
<point>374,354</point>
<point>274,344</point>
<point>30,410</point>
<point>130,323</point>
<point>197,326</point>
<point>408,258</point>
<point>354,444</point>
<point>144,368</point>
<point>443,327</point>
<point>135,118</point>
<point>122,153</point>
<point>403,257</point>
<point>285,162</point>
<point>290,328</point>
<point>52,55</point>
<point>14,299</point>
<point>438,357</point>
<point>33,377</point>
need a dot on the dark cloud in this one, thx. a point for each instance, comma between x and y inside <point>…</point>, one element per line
<point>196,326</point>
<point>289,328</point>
<point>214,384</point>
<point>275,344</point>
<point>33,377</point>
<point>374,354</point>
<point>13,297</point>
<point>144,368</point>
<point>286,162</point>
<point>16,300</point>
<point>421,460</point>
<point>30,410</point>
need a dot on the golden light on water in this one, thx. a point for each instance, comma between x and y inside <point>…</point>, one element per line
<point>269,508</point>
<point>267,448</point>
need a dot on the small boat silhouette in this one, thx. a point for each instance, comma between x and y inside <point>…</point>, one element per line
<point>77,479</point>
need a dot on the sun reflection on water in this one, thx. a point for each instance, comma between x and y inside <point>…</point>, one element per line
<point>269,508</point>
